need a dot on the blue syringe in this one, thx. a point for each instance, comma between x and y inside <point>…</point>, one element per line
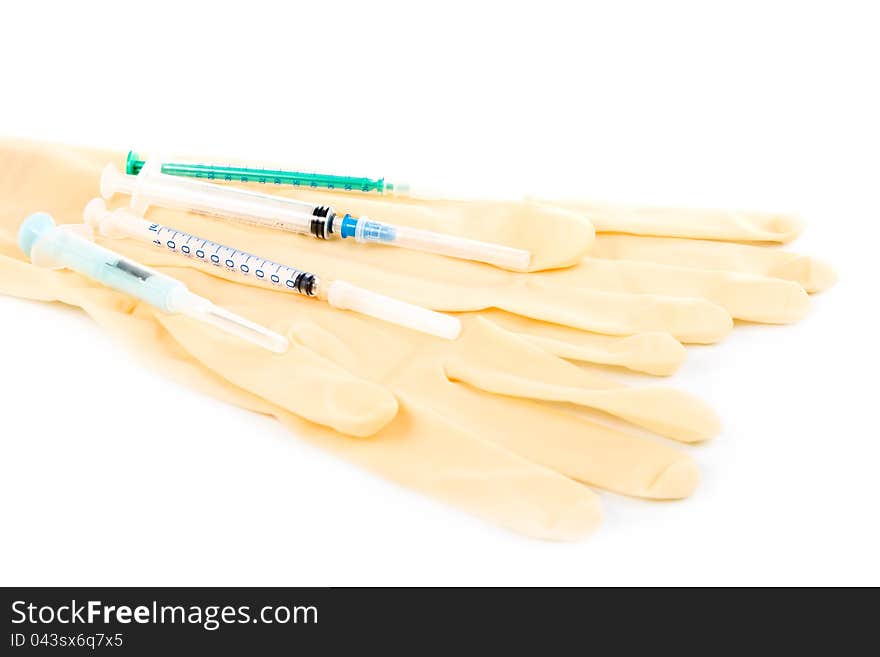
<point>153,187</point>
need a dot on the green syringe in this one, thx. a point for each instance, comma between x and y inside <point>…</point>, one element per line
<point>237,172</point>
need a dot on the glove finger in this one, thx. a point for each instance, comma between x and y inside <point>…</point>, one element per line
<point>577,447</point>
<point>745,296</point>
<point>813,275</point>
<point>690,320</point>
<point>651,353</point>
<point>497,361</point>
<point>694,223</point>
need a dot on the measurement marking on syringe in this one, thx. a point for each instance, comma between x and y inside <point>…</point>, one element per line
<point>284,276</point>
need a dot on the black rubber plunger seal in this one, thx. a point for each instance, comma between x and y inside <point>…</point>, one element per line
<point>304,283</point>
<point>322,225</point>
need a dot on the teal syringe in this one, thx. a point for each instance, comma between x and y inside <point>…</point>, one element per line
<point>71,247</point>
<point>240,172</point>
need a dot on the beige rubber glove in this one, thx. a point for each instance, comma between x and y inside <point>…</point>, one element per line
<point>454,436</point>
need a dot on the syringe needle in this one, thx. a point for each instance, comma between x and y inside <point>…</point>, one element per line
<point>244,328</point>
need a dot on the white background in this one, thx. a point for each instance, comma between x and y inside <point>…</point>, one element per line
<point>765,105</point>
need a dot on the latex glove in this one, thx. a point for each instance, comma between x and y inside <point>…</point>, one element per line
<point>499,456</point>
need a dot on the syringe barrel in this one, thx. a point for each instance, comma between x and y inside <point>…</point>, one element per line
<point>269,174</point>
<point>57,247</point>
<point>150,187</point>
<point>123,223</point>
